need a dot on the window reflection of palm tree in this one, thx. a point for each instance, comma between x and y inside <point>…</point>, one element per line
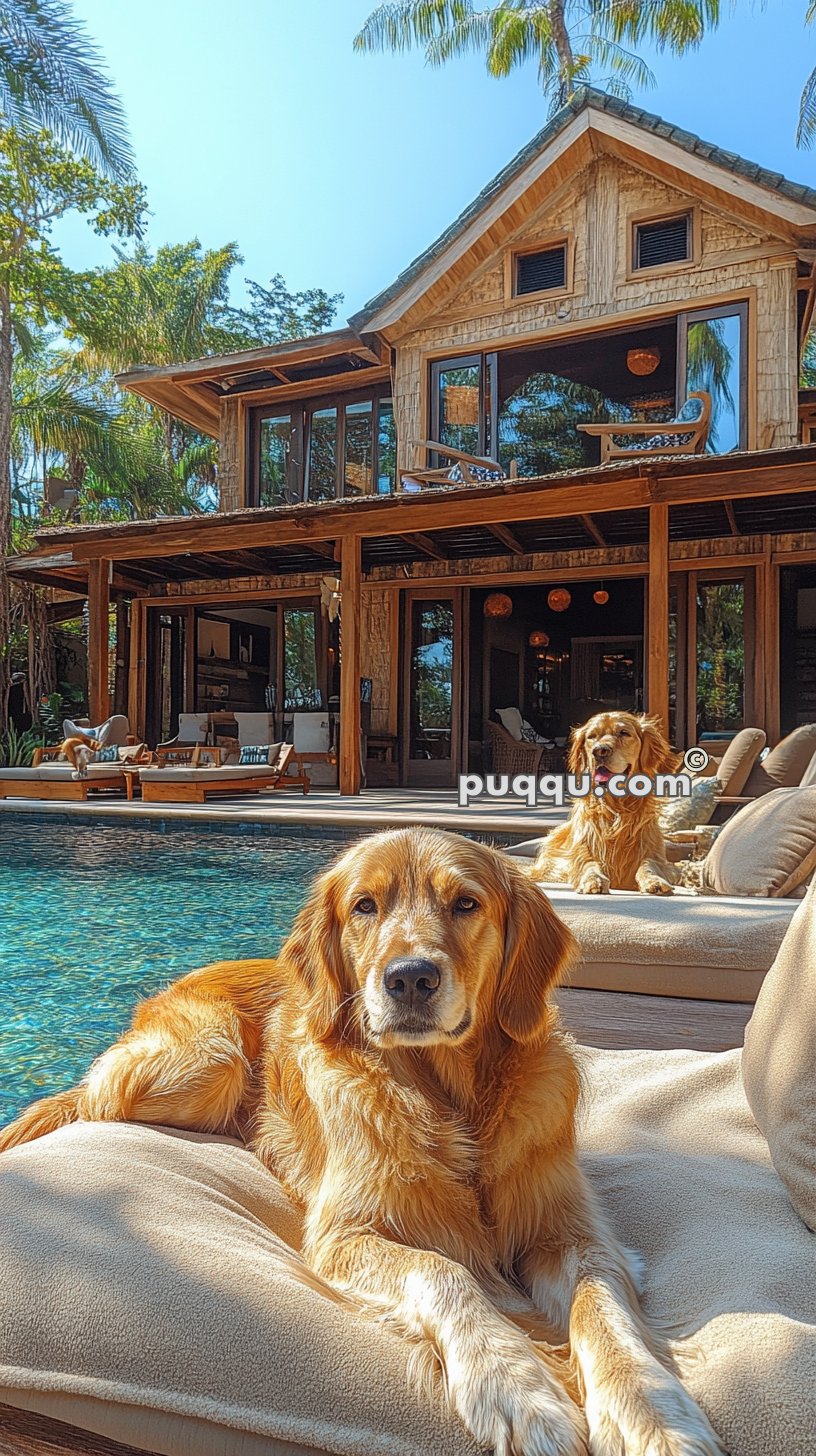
<point>710,361</point>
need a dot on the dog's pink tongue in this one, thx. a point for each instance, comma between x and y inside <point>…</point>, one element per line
<point>602,775</point>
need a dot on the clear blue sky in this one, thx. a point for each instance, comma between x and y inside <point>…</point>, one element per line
<point>254,121</point>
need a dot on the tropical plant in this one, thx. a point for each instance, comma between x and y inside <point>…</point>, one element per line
<point>52,77</point>
<point>574,42</point>
<point>39,183</point>
<point>17,748</point>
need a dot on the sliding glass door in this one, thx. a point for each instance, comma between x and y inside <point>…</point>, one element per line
<point>432,676</point>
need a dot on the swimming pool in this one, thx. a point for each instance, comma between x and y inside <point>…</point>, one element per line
<point>94,915</point>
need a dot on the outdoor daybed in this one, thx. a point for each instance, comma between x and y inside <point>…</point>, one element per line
<point>151,1299</point>
<point>715,945</point>
<point>206,774</point>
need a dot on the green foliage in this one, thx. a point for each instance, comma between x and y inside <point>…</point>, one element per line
<point>807,378</point>
<point>574,42</point>
<point>51,76</point>
<point>17,748</point>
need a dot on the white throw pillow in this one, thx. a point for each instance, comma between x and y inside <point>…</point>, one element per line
<point>697,809</point>
<point>512,720</point>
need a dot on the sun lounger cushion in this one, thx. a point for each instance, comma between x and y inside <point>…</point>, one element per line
<point>768,848</point>
<point>785,765</point>
<point>56,771</point>
<point>779,1063</point>
<point>739,759</point>
<point>208,775</point>
<point>149,1292</point>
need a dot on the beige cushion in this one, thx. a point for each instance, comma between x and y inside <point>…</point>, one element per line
<point>767,848</point>
<point>785,765</point>
<point>739,759</point>
<point>512,721</point>
<point>809,776</point>
<point>144,1268</point>
<point>62,772</point>
<point>153,1296</point>
<point>209,775</point>
<point>779,1063</point>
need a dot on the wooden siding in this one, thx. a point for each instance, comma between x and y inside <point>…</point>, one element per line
<point>232,463</point>
<point>599,204</point>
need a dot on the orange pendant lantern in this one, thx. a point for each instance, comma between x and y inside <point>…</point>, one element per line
<point>558,599</point>
<point>498,604</point>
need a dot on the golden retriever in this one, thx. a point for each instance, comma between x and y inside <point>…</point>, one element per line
<point>610,842</point>
<point>401,1070</point>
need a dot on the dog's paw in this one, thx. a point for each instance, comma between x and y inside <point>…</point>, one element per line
<point>655,885</point>
<point>513,1406</point>
<point>593,883</point>
<point>658,1418</point>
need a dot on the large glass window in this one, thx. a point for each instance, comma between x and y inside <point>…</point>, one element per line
<point>300,675</point>
<point>274,449</point>
<point>358,448</point>
<point>322,473</point>
<point>712,359</point>
<point>458,412</point>
<point>431,680</point>
<point>340,446</point>
<point>720,656</point>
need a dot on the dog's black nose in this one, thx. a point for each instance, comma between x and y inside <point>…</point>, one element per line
<point>601,750</point>
<point>412,980</point>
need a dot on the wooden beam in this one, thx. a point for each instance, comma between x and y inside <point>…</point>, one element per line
<point>507,538</point>
<point>98,639</point>
<point>122,647</point>
<point>657,680</point>
<point>732,520</point>
<point>592,530</point>
<point>350,663</point>
<point>136,667</point>
<point>425,545</point>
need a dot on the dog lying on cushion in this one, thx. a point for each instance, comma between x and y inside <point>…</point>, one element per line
<point>612,842</point>
<point>400,1068</point>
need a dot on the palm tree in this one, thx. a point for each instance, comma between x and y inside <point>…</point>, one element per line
<point>806,130</point>
<point>51,76</point>
<point>570,39</point>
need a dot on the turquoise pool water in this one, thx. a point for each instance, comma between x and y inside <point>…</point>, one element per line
<point>95,915</point>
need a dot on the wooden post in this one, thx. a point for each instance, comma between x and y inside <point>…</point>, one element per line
<point>657,675</point>
<point>98,640</point>
<point>121,652</point>
<point>350,578</point>
<point>136,666</point>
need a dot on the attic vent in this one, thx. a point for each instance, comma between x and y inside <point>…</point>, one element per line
<point>667,241</point>
<point>537,272</point>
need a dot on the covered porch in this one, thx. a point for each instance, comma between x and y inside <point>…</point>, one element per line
<point>659,527</point>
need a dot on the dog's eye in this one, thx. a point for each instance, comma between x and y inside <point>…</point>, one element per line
<point>465,905</point>
<point>365,906</point>
<point>624,733</point>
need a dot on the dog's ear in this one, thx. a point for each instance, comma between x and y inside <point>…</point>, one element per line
<point>656,754</point>
<point>312,955</point>
<point>538,950</point>
<point>575,758</point>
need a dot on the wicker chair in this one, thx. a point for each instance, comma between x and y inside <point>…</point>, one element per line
<point>511,756</point>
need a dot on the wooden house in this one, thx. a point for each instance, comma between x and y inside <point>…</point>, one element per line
<point>615,266</point>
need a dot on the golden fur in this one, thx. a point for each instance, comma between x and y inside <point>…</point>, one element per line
<point>79,752</point>
<point>428,1133</point>
<point>608,842</point>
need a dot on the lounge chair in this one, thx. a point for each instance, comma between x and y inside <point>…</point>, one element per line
<point>686,434</point>
<point>466,469</point>
<point>194,782</point>
<point>186,1243</point>
<point>50,777</point>
<point>115,731</point>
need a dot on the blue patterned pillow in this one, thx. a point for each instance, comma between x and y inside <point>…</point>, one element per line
<point>108,754</point>
<point>255,753</point>
<point>479,472</point>
<point>692,410</point>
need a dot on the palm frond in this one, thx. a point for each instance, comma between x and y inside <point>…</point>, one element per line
<point>622,63</point>
<point>806,128</point>
<point>674,25</point>
<point>52,76</point>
